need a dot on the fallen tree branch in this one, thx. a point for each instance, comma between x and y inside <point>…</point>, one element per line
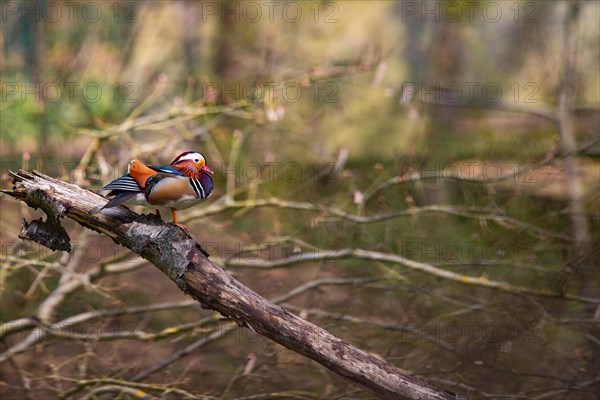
<point>183,260</point>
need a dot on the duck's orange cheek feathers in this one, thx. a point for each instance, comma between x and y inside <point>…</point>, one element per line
<point>189,170</point>
<point>140,172</point>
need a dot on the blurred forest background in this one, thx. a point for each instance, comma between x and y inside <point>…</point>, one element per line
<point>420,178</point>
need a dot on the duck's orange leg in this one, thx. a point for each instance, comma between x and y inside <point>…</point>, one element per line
<point>177,223</point>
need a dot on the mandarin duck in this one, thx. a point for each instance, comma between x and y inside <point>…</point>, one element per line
<point>180,185</point>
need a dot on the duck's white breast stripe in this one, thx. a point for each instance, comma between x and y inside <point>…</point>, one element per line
<point>201,188</point>
<point>198,188</point>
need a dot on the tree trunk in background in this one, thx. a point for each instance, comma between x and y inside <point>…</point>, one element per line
<point>579,222</point>
<point>446,61</point>
<point>190,15</point>
<point>581,262</point>
<point>33,26</point>
<point>230,49</point>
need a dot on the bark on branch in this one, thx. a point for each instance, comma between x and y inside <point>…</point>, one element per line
<point>183,260</point>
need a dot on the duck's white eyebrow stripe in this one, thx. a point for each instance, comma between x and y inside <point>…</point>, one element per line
<point>190,156</point>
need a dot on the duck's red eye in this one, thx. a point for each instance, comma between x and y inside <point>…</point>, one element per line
<point>196,160</point>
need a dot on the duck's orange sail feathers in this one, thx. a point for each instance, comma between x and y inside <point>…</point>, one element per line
<point>140,172</point>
